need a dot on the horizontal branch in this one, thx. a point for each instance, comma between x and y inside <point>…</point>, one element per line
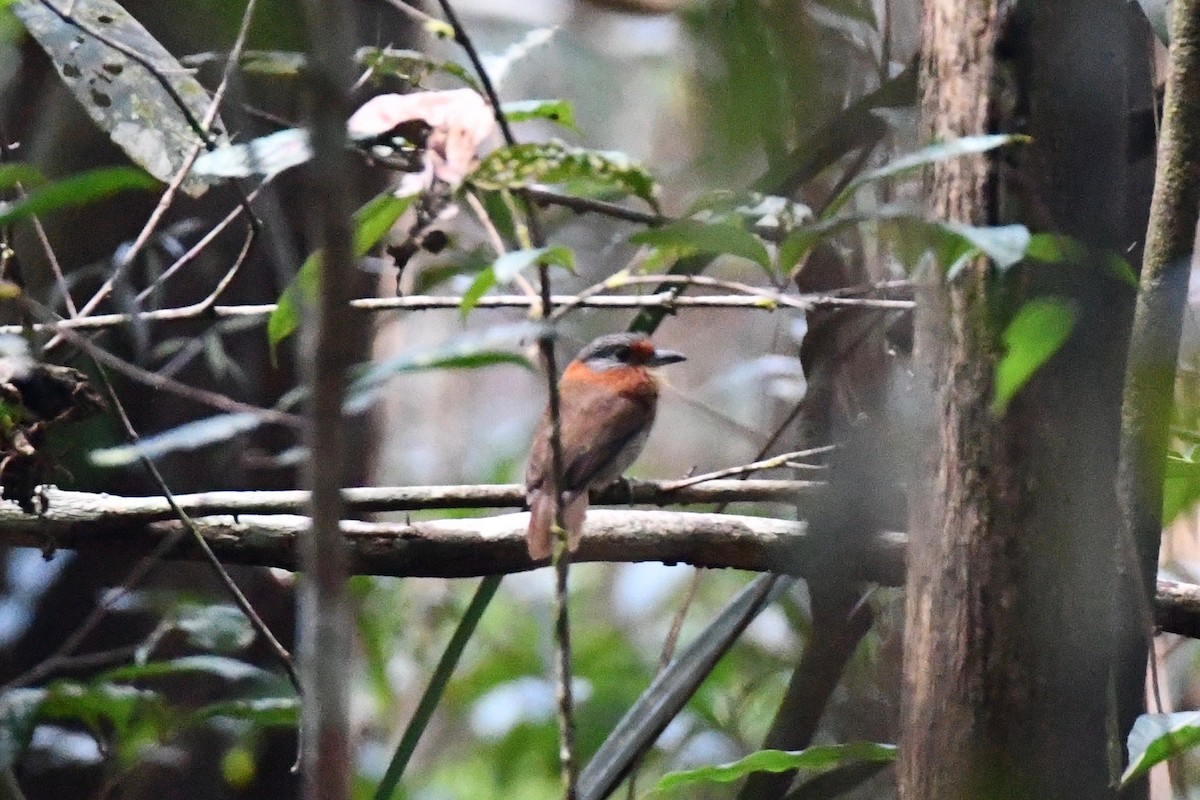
<point>669,300</point>
<point>76,511</point>
<point>461,548</point>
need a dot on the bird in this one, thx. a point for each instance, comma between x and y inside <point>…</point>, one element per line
<point>607,401</point>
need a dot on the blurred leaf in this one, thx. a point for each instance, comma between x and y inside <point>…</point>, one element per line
<point>674,686</point>
<point>267,155</point>
<point>1158,737</point>
<point>836,781</point>
<point>189,436</point>
<point>470,351</point>
<point>557,111</point>
<point>101,703</point>
<point>126,100</point>
<point>814,758</point>
<point>509,265</point>
<point>371,223</point>
<point>1122,270</point>
<point>265,712</point>
<point>19,172</point>
<point>1054,248</point>
<point>18,717</point>
<point>1158,12</point>
<point>437,686</point>
<point>218,627</point>
<point>1005,245</point>
<point>1035,334</point>
<point>77,190</point>
<point>229,669</point>
<point>967,145</point>
<point>691,236</point>
<point>556,163</point>
<point>1181,486</point>
<point>482,284</point>
<point>410,65</point>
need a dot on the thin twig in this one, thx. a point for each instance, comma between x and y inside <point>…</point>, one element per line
<point>775,462</point>
<point>280,652</point>
<point>194,393</point>
<point>667,300</point>
<point>562,554</point>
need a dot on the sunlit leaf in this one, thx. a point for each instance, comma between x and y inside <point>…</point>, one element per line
<point>1158,737</point>
<point>814,758</point>
<point>189,436</point>
<point>557,111</point>
<point>691,236</point>
<point>957,148</point>
<point>1035,334</point>
<point>128,101</point>
<point>556,163</point>
<point>371,223</point>
<point>77,190</point>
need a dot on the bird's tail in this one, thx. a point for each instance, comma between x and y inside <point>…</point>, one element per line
<point>539,537</point>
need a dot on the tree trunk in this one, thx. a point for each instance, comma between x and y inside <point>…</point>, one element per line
<point>1014,645</point>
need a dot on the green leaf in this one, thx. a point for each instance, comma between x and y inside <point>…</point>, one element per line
<point>692,236</point>
<point>482,284</point>
<point>437,686</point>
<point>411,66</point>
<point>266,712</point>
<point>189,436</point>
<point>967,145</point>
<point>100,704</point>
<point>509,265</point>
<point>371,223</point>
<point>1054,248</point>
<point>1035,334</point>
<point>521,165</point>
<point>229,669</point>
<point>1181,486</point>
<point>506,268</point>
<point>77,190</point>
<point>1005,245</point>
<point>1158,737</point>
<point>814,758</point>
<point>557,111</point>
<point>470,351</point>
<point>218,628</point>
<point>19,172</point>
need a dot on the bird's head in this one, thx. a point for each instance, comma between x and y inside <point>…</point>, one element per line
<point>625,350</point>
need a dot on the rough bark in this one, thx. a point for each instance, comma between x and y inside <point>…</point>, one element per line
<point>1012,534</point>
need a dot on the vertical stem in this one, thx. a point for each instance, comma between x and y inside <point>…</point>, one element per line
<point>325,621</point>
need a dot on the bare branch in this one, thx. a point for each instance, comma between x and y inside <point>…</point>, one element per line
<point>667,300</point>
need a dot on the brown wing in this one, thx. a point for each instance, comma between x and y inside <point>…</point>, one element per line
<point>598,429</point>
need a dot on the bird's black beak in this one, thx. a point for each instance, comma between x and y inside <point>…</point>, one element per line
<point>662,357</point>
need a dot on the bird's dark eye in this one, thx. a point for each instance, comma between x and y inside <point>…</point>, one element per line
<point>621,352</point>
